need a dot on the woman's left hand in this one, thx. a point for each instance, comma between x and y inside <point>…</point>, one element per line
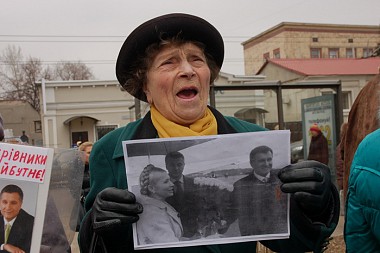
<point>310,184</point>
<point>114,207</point>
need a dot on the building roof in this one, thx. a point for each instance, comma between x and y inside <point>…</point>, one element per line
<point>312,27</point>
<point>326,66</point>
<point>239,78</point>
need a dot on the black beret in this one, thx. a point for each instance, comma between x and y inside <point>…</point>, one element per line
<point>190,28</point>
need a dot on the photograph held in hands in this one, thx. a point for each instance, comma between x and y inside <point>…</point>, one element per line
<point>209,189</point>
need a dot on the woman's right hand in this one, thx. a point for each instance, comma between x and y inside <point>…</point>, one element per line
<point>113,208</point>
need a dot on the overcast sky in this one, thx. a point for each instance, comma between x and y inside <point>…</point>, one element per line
<point>92,31</point>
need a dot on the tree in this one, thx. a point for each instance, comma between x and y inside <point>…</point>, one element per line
<point>18,77</point>
<point>32,73</point>
<point>73,71</point>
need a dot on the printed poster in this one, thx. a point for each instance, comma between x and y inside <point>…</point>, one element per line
<point>24,183</point>
<point>210,189</point>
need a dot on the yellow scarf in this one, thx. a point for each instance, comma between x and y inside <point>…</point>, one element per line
<point>165,128</point>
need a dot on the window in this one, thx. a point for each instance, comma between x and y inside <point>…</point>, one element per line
<point>37,126</point>
<point>315,52</point>
<point>333,53</point>
<point>266,56</point>
<point>367,52</point>
<point>276,53</point>
<point>350,40</point>
<point>103,130</point>
<point>315,39</point>
<point>346,97</point>
<point>350,52</point>
<point>78,137</point>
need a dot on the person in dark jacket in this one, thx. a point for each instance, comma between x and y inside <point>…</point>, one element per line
<point>339,163</point>
<point>1,128</point>
<point>170,62</point>
<point>24,138</point>
<point>86,147</point>
<point>318,149</point>
<point>254,195</point>
<point>54,238</point>
<point>185,193</point>
<point>16,225</point>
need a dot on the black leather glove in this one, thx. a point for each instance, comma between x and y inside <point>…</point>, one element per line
<point>114,207</point>
<point>310,185</point>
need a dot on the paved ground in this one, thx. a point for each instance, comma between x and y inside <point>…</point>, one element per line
<point>338,234</point>
<point>74,245</point>
<point>339,229</point>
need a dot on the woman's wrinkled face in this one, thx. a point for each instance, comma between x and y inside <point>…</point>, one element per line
<point>178,83</point>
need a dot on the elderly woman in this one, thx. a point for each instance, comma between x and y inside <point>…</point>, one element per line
<point>159,222</point>
<point>318,149</point>
<point>170,62</point>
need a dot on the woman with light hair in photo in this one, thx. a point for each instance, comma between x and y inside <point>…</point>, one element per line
<point>159,222</point>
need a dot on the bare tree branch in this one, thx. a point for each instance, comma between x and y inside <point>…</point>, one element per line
<point>18,77</point>
<point>73,71</point>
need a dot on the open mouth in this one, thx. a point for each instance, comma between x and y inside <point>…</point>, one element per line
<point>187,93</point>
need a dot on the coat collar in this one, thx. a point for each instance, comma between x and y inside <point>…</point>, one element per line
<point>139,129</point>
<point>144,129</point>
<point>163,205</point>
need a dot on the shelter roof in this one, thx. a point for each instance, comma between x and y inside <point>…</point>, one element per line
<point>326,66</point>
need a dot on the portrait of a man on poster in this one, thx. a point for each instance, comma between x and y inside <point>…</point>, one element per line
<point>209,189</point>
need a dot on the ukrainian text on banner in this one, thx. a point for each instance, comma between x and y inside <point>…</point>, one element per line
<point>24,180</point>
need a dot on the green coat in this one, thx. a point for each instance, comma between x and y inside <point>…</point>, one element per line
<point>107,169</point>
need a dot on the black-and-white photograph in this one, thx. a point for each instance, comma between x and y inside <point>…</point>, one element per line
<point>210,189</point>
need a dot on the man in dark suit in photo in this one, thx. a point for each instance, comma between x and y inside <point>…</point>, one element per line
<point>16,225</point>
<point>184,199</point>
<point>258,202</point>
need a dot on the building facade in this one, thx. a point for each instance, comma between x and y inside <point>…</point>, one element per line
<point>352,73</point>
<point>74,111</point>
<point>290,41</point>
<point>20,116</point>
<point>305,40</point>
